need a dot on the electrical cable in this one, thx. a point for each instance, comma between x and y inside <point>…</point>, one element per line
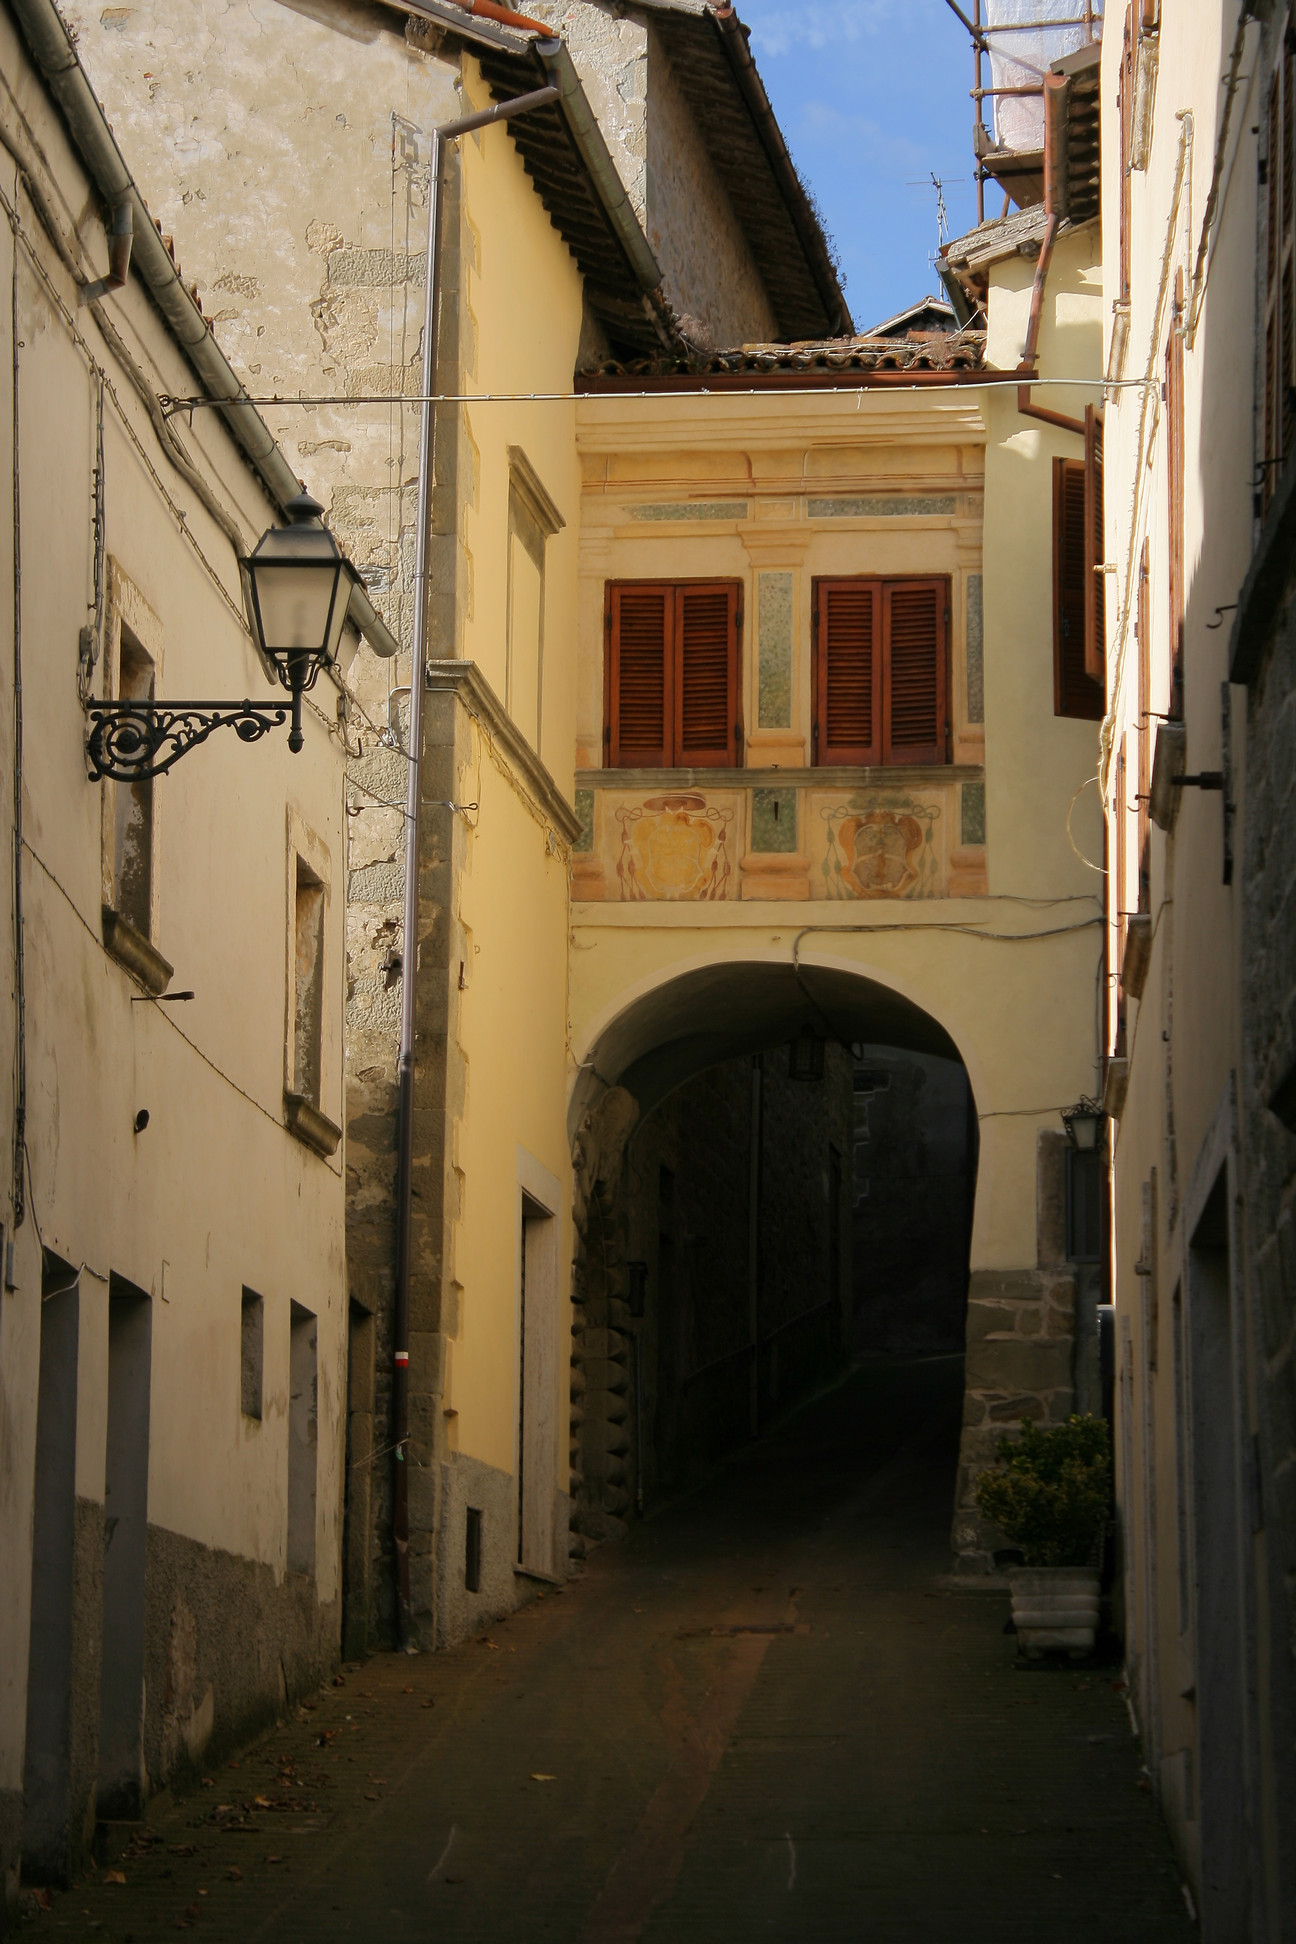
<point>172,403</point>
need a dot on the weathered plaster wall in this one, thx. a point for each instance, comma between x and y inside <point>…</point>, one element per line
<point>214,1193</point>
<point>708,271</point>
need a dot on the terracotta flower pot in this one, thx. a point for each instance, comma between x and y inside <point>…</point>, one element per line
<point>1055,1607</point>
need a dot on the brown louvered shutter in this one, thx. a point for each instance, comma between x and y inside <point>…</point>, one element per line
<point>1095,591</point>
<point>1125,108</point>
<point>1074,692</point>
<point>707,730</point>
<point>913,672</point>
<point>1174,405</point>
<point>640,700</point>
<point>1143,633</point>
<point>848,672</point>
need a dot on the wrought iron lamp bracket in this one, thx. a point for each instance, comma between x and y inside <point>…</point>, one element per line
<point>131,741</point>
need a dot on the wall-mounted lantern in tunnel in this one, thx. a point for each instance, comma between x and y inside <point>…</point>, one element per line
<point>297,583</point>
<point>806,1055</point>
<point>1083,1124</point>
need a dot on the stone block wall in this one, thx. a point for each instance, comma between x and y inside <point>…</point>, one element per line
<point>1020,1356</point>
<point>1268,1113</point>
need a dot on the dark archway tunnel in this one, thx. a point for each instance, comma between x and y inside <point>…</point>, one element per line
<point>775,1172</point>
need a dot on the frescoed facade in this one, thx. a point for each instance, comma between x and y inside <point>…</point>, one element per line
<point>888,832</point>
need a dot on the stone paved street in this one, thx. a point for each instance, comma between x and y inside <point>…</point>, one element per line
<point>764,1715</point>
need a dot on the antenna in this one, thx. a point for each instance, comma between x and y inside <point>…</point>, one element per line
<point>942,223</point>
<point>942,214</point>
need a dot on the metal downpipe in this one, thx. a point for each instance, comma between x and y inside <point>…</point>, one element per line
<point>449,131</point>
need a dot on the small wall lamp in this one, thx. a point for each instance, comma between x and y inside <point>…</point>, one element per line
<point>1083,1124</point>
<point>806,1055</point>
<point>297,583</point>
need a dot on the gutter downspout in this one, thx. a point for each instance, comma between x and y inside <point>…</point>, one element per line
<point>447,132</point>
<point>136,242</point>
<point>120,237</point>
<point>810,235</point>
<point>1055,87</point>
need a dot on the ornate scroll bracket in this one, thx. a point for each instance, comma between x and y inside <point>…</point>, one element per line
<point>130,741</point>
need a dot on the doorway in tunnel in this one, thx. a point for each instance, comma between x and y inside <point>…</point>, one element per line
<point>913,1178</point>
<point>775,1175</point>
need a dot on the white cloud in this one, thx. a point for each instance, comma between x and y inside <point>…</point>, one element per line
<point>867,143</point>
<point>778,28</point>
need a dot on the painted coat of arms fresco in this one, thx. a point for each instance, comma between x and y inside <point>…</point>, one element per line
<point>674,847</point>
<point>881,849</point>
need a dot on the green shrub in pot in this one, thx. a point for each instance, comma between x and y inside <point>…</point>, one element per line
<point>1050,1493</point>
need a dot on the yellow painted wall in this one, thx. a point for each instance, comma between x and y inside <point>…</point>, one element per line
<point>522,312</point>
<point>512,1029</point>
<point>522,304</point>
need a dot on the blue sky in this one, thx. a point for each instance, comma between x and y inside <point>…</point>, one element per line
<point>872,95</point>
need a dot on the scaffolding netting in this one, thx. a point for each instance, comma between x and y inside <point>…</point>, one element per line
<point>1045,30</point>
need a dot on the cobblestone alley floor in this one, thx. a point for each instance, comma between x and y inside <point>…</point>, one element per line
<point>762,1716</point>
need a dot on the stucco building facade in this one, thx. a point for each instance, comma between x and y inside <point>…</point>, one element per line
<point>1196,748</point>
<point>173,1318</point>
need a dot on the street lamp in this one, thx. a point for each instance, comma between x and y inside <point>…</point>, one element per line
<point>297,583</point>
<point>1083,1124</point>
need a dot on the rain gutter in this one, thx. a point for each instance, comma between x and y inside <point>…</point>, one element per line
<point>136,243</point>
<point>593,151</point>
<point>734,41</point>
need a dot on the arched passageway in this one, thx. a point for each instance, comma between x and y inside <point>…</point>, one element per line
<point>775,1172</point>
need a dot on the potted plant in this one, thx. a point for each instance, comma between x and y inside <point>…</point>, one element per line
<point>1050,1495</point>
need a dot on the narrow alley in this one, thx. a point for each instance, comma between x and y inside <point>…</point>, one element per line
<point>766,1713</point>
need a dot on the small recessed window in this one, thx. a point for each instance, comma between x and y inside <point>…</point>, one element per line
<point>132,807</point>
<point>252,1362</point>
<point>308,983</point>
<point>303,1438</point>
<point>472,1549</point>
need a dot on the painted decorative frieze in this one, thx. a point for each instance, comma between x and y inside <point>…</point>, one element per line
<point>677,847</point>
<point>880,844</point>
<point>779,842</point>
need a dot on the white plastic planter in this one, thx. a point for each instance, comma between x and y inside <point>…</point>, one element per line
<point>1055,1608</point>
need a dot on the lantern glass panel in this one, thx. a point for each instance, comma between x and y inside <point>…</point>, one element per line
<point>298,604</point>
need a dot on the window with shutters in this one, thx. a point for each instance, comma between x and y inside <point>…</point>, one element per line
<point>1279,192</point>
<point>1125,105</point>
<point>672,693</point>
<point>1075,613</point>
<point>1174,406</point>
<point>881,671</point>
<point>1143,634</point>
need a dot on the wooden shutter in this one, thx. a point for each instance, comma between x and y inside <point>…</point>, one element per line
<point>1074,692</point>
<point>1279,180</point>
<point>707,729</point>
<point>1120,902</point>
<point>1174,384</point>
<point>1126,111</point>
<point>1143,632</point>
<point>1095,591</point>
<point>640,669</point>
<point>848,671</point>
<point>914,722</point>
